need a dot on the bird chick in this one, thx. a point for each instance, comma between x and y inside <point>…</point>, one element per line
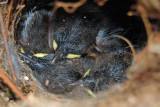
<point>103,69</point>
<point>83,35</point>
<point>75,33</point>
<point>106,63</point>
<point>54,78</point>
<point>33,31</point>
<point>62,33</point>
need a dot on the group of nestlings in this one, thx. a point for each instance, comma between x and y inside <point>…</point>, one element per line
<point>66,51</point>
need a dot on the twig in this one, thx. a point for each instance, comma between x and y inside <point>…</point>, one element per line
<point>13,27</point>
<point>8,17</point>
<point>2,102</point>
<point>15,17</point>
<point>1,52</point>
<point>7,49</point>
<point>11,85</point>
<point>126,40</point>
<point>146,22</point>
<point>100,2</point>
<point>5,2</point>
<point>34,85</point>
<point>68,7</point>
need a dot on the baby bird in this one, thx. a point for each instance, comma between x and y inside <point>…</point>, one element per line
<point>103,69</point>
<point>106,63</point>
<point>76,36</point>
<point>54,78</point>
<point>75,33</point>
<point>33,31</point>
<point>62,33</point>
<point>85,36</point>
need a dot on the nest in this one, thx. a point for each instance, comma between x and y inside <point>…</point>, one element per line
<point>137,85</point>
